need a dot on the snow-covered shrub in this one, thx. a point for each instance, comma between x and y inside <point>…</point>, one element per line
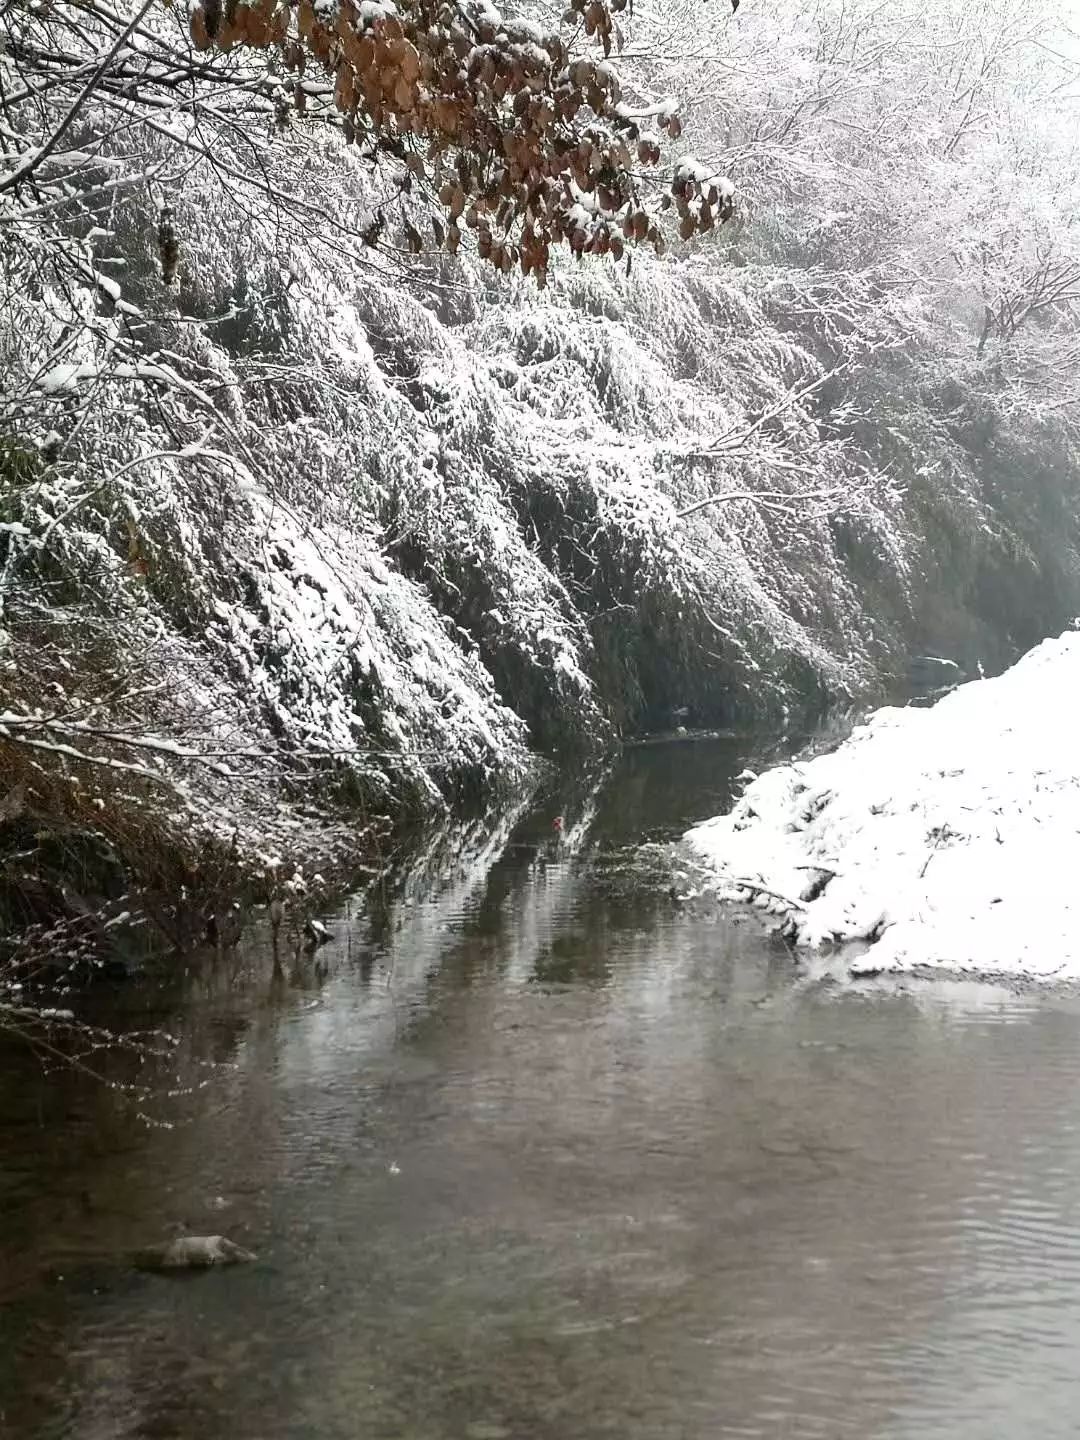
<point>385,522</point>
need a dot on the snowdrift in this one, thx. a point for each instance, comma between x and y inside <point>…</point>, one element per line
<point>946,837</point>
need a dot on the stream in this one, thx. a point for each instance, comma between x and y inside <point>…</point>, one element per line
<point>533,1151</point>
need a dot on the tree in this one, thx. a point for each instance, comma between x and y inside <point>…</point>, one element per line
<point>495,125</point>
<point>464,123</point>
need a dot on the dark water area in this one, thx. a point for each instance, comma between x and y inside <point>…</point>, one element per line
<point>531,1150</point>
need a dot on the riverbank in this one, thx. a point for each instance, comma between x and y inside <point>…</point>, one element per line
<point>110,863</point>
<point>943,838</point>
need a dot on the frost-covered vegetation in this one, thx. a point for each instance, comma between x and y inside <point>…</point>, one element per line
<point>294,517</point>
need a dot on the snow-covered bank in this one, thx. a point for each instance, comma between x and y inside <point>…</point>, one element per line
<point>948,837</point>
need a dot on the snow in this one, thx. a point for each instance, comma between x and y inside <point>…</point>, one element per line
<point>691,168</point>
<point>428,508</point>
<point>109,286</point>
<point>945,838</point>
<point>373,10</point>
<point>62,377</point>
<point>67,376</point>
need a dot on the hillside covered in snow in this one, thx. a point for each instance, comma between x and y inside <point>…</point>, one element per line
<point>297,508</point>
<point>948,838</point>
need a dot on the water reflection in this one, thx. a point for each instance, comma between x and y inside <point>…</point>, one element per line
<point>541,1153</point>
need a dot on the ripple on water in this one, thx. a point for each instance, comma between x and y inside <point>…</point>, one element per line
<point>551,1158</point>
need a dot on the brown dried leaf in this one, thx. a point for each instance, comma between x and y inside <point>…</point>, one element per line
<point>389,27</point>
<point>344,88</point>
<point>404,94</point>
<point>410,63</point>
<point>200,37</point>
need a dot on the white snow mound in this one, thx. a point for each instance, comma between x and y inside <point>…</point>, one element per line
<point>948,837</point>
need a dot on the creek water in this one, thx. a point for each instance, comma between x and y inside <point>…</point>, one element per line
<point>531,1150</point>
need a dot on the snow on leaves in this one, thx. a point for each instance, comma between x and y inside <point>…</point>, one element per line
<point>518,137</point>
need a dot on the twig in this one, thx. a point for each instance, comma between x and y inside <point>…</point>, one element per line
<point>30,164</point>
<point>764,890</point>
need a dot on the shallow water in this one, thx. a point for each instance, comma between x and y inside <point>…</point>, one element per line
<point>533,1151</point>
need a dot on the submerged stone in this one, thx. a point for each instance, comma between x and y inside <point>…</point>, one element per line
<point>193,1252</point>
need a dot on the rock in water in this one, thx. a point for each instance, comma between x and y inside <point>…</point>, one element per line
<point>194,1252</point>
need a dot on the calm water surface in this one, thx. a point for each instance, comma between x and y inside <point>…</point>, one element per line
<point>535,1152</point>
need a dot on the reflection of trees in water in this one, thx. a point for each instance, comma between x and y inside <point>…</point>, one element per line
<point>538,1155</point>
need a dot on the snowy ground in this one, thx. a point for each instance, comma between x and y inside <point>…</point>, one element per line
<point>947,837</point>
